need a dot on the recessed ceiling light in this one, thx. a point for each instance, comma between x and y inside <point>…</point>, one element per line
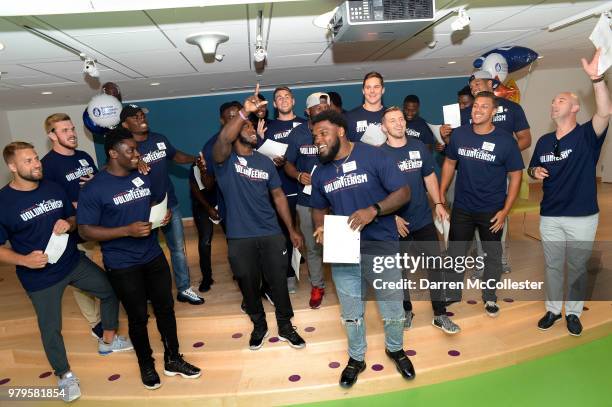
<point>154,84</point>
<point>451,62</point>
<point>46,93</point>
<point>1,46</point>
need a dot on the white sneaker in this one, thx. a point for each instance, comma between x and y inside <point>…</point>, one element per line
<point>119,344</point>
<point>291,285</point>
<point>189,296</point>
<point>69,389</point>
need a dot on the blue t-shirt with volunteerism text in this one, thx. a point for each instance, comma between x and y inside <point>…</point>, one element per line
<point>157,151</point>
<point>571,187</point>
<point>359,119</point>
<point>419,129</point>
<point>27,220</point>
<point>67,170</point>
<point>304,155</point>
<point>510,116</point>
<point>111,201</point>
<point>483,164</point>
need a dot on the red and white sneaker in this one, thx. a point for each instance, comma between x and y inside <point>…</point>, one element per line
<point>316,297</point>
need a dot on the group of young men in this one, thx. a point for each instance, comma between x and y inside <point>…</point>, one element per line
<point>390,194</point>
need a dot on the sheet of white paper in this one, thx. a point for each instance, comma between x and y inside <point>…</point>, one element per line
<point>340,243</point>
<point>374,135</point>
<point>56,246</point>
<point>452,115</point>
<point>158,213</point>
<point>435,129</point>
<point>601,37</point>
<point>308,188</point>
<point>198,177</point>
<point>273,149</point>
<point>295,262</point>
<point>443,227</point>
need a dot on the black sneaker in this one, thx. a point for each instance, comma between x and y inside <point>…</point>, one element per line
<point>189,296</point>
<point>573,325</point>
<point>350,372</point>
<point>150,378</point>
<point>97,331</point>
<point>178,366</point>
<point>290,336</point>
<point>402,363</point>
<point>548,320</point>
<point>205,287</point>
<point>257,338</point>
<point>491,309</point>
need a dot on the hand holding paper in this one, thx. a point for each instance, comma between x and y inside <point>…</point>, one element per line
<point>452,115</point>
<point>56,247</point>
<point>273,149</point>
<point>158,213</point>
<point>341,244</point>
<point>296,257</point>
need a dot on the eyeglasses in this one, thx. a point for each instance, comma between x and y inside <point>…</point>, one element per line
<point>556,149</point>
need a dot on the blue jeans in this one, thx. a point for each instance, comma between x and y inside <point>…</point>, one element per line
<point>175,239</point>
<point>351,281</point>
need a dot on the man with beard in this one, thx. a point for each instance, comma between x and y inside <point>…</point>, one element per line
<point>360,181</point>
<point>256,245</point>
<point>485,156</point>
<point>156,150</point>
<point>370,113</point>
<point>414,221</point>
<point>302,158</point>
<point>34,211</point>
<point>114,210</point>
<point>416,126</point>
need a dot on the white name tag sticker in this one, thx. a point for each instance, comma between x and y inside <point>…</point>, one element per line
<point>83,162</point>
<point>414,155</point>
<point>500,109</point>
<point>488,146</point>
<point>161,146</point>
<point>349,166</point>
<point>362,123</point>
<point>138,182</point>
<point>295,124</point>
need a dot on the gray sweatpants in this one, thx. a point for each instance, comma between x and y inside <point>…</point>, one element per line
<point>47,302</point>
<point>571,238</point>
<point>314,257</point>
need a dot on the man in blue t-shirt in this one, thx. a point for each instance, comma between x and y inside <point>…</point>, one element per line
<point>256,246</point>
<point>370,113</point>
<point>486,156</point>
<point>34,212</point>
<point>114,210</point>
<point>157,151</point>
<point>414,220</point>
<point>279,130</point>
<point>302,159</point>
<point>566,161</point>
<point>71,168</point>
<point>360,181</point>
<point>416,126</point>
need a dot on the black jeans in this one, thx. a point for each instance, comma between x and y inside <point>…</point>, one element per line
<point>134,285</point>
<point>205,234</point>
<point>425,241</point>
<point>462,227</point>
<point>292,202</point>
<point>257,257</point>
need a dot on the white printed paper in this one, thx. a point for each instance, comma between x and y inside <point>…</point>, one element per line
<point>198,177</point>
<point>341,244</point>
<point>158,213</point>
<point>56,247</point>
<point>374,135</point>
<point>308,188</point>
<point>435,129</point>
<point>601,37</point>
<point>443,227</point>
<point>452,115</point>
<point>296,257</point>
<point>273,149</point>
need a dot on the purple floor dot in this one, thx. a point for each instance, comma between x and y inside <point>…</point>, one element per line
<point>410,352</point>
<point>45,375</point>
<point>508,300</point>
<point>4,381</point>
<point>585,308</point>
<point>114,377</point>
<point>377,367</point>
<point>274,339</point>
<point>454,353</point>
<point>449,313</point>
<point>198,344</point>
<point>472,302</point>
<point>294,377</point>
<point>334,365</point>
<point>309,329</point>
<point>237,335</point>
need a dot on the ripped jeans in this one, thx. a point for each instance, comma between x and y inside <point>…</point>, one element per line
<point>352,281</point>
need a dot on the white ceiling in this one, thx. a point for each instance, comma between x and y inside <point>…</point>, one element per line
<point>136,48</point>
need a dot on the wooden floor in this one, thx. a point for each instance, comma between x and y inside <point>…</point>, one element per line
<point>215,336</point>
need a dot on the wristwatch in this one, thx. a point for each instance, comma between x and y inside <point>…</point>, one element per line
<point>378,209</point>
